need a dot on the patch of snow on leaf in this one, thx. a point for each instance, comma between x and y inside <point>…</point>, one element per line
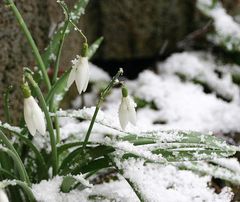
<point>168,184</point>
<point>49,191</point>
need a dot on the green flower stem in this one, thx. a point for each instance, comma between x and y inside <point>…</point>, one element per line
<point>80,31</point>
<point>57,128</point>
<point>55,74</point>
<point>31,42</point>
<point>104,93</point>
<point>23,185</point>
<point>13,153</point>
<point>49,122</point>
<point>56,67</point>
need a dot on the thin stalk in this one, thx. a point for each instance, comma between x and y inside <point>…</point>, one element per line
<point>31,42</point>
<point>79,30</point>
<point>56,70</point>
<point>16,156</point>
<point>49,122</point>
<point>57,128</point>
<point>59,51</point>
<point>104,93</point>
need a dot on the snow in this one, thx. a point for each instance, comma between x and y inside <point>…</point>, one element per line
<point>202,67</point>
<point>227,30</point>
<point>179,104</point>
<point>166,183</point>
<point>97,74</point>
<point>156,182</point>
<point>49,191</point>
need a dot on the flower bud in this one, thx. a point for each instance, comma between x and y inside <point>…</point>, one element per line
<point>79,74</point>
<point>33,116</point>
<point>127,112</point>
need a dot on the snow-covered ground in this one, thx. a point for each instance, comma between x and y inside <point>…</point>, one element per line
<point>173,100</point>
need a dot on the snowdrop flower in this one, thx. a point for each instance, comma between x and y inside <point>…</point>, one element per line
<point>3,196</point>
<point>127,111</point>
<point>33,115</point>
<point>79,72</point>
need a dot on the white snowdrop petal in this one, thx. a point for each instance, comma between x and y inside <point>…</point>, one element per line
<point>81,75</point>
<point>87,78</point>
<point>3,196</point>
<point>38,119</point>
<point>71,77</point>
<point>34,116</point>
<point>123,114</point>
<point>132,117</point>
<point>28,115</point>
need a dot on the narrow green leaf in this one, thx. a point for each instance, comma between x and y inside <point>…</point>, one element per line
<point>79,159</point>
<point>213,170</point>
<point>94,47</point>
<point>94,165</point>
<point>58,89</point>
<point>66,146</point>
<point>70,182</point>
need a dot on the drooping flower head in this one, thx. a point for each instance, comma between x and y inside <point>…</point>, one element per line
<point>33,114</point>
<point>127,112</point>
<point>80,71</point>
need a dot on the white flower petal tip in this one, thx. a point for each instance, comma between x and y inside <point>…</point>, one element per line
<point>127,112</point>
<point>3,196</point>
<point>79,74</point>
<point>34,116</point>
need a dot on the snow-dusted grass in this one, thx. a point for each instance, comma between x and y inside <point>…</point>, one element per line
<point>180,104</point>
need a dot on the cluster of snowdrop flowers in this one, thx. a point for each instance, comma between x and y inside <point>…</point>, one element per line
<point>127,112</point>
<point>34,117</point>
<point>33,114</point>
<point>3,196</point>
